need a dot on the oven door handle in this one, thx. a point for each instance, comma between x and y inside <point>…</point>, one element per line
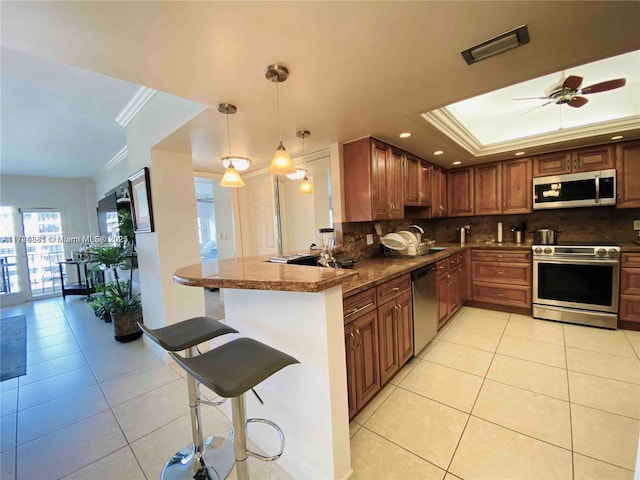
<point>597,189</point>
<point>577,261</point>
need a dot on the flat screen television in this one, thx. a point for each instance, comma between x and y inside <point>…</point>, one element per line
<point>108,209</point>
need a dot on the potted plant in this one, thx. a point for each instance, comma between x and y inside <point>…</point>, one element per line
<point>123,305</point>
<point>98,304</point>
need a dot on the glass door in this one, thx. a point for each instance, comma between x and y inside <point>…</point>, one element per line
<point>12,284</point>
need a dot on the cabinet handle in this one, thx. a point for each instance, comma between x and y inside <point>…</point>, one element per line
<point>395,312</point>
<point>359,340</point>
<point>448,276</point>
<point>395,289</point>
<point>420,195</point>
<point>357,309</point>
<point>499,273</point>
<point>500,256</point>
<point>400,307</point>
<point>352,341</point>
<point>500,294</point>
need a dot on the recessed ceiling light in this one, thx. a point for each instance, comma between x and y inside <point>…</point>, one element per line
<point>405,134</point>
<point>617,137</point>
<point>438,152</point>
<point>457,162</point>
<point>517,154</point>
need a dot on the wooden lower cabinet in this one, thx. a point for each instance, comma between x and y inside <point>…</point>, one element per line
<point>501,277</point>
<point>451,286</point>
<point>363,366</point>
<point>388,345</point>
<point>405,328</point>
<point>629,308</point>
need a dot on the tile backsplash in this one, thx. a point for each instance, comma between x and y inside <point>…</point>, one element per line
<point>594,224</point>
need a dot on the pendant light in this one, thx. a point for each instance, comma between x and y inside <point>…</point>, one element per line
<point>231,177</point>
<point>281,163</point>
<point>305,185</point>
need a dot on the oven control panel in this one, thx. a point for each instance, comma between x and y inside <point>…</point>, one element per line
<point>584,251</point>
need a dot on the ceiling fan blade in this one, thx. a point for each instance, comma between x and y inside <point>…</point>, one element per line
<point>573,82</point>
<point>577,102</point>
<point>604,86</point>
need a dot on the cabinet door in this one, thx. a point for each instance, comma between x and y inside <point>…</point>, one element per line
<point>488,189</point>
<point>366,363</point>
<point>628,174</point>
<point>412,172</point>
<point>425,194</point>
<point>388,340</point>
<point>405,328</point>
<point>552,164</point>
<point>443,299</point>
<point>349,346</point>
<point>463,290</point>
<point>593,158</point>
<point>395,182</point>
<point>454,291</point>
<point>460,192</point>
<point>517,186</point>
<point>379,189</point>
<point>630,308</point>
<point>630,281</point>
<point>438,193</point>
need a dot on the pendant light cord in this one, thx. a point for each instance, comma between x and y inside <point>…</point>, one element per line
<point>228,137</point>
<point>278,110</point>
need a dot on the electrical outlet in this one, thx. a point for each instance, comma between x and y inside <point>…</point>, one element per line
<point>636,224</point>
<point>369,238</point>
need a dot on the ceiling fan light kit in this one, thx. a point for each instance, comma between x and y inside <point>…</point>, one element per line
<point>501,43</point>
<point>281,163</point>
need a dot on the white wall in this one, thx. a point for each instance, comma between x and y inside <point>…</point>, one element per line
<point>223,210</point>
<point>75,198</point>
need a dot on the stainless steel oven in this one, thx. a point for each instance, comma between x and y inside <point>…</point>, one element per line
<point>576,284</point>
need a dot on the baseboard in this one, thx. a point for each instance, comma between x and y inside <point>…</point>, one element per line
<point>627,325</point>
<point>499,308</point>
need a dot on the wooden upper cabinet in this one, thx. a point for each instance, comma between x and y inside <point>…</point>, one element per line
<point>373,181</point>
<point>425,193</point>
<point>517,186</point>
<point>628,174</point>
<point>412,171</point>
<point>460,192</point>
<point>593,158</point>
<point>556,163</point>
<point>438,193</point>
<point>488,189</point>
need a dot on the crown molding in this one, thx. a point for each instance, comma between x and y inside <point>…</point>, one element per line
<point>137,102</point>
<point>446,123</point>
<point>117,158</point>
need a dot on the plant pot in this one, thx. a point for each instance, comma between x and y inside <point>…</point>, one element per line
<point>125,325</point>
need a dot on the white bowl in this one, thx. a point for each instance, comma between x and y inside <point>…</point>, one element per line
<point>394,241</point>
<point>409,237</point>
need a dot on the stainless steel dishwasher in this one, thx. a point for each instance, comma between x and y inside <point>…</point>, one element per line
<point>425,306</point>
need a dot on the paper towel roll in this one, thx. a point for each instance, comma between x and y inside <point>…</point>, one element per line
<point>499,232</point>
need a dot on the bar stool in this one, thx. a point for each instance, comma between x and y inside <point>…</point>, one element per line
<point>195,461</point>
<point>231,370</point>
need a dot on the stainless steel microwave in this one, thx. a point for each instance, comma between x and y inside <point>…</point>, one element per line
<point>587,189</point>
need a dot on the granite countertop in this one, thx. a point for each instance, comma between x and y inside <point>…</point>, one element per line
<point>256,273</point>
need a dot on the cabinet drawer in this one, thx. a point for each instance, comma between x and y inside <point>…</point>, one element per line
<point>509,273</point>
<point>512,295</point>
<point>357,305</point>
<point>442,266</point>
<point>453,260</point>
<point>513,256</point>
<point>630,281</point>
<point>630,260</point>
<point>630,308</point>
<point>393,288</point>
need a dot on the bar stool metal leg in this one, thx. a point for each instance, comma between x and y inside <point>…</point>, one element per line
<point>239,415</point>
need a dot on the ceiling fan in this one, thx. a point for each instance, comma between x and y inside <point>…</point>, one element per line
<point>568,91</point>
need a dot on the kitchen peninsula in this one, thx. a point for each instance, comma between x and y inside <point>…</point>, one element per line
<point>298,310</point>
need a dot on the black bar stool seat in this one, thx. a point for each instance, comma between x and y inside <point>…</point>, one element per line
<point>235,367</point>
<point>188,333</point>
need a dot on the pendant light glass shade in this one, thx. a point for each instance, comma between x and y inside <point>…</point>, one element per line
<point>281,163</point>
<point>305,186</point>
<point>299,174</point>
<point>241,163</point>
<point>231,178</point>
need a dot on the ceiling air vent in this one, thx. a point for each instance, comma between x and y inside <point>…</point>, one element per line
<point>508,40</point>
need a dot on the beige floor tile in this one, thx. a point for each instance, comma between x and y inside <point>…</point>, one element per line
<point>373,457</point>
<point>538,416</point>
<point>49,353</point>
<point>404,371</point>
<point>120,464</point>
<point>424,427</point>
<point>9,384</point>
<point>532,376</point>
<point>125,387</point>
<point>472,338</point>
<point>605,436</point>
<point>71,448</point>
<point>532,350</point>
<point>460,357</point>
<point>152,410</point>
<point>450,476</point>
<point>483,312</point>
<point>443,384</point>
<point>8,432</point>
<point>47,417</point>
<point>50,368</point>
<point>54,387</point>
<point>492,452</point>
<point>8,402</point>
<point>604,365</point>
<point>353,428</point>
<point>612,396</point>
<point>153,450</point>
<point>614,342</point>
<point>534,329</point>
<point>430,346</point>
<point>634,339</point>
<point>374,404</point>
<point>482,322</point>
<point>585,468</point>
<point>123,362</point>
<point>8,465</point>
